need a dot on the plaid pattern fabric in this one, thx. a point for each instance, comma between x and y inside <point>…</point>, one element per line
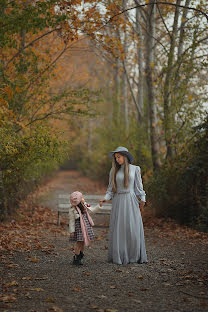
<point>78,237</point>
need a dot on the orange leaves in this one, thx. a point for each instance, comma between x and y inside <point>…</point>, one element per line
<point>76,289</point>
<point>9,92</point>
<point>33,259</point>
<point>7,298</point>
<point>11,284</point>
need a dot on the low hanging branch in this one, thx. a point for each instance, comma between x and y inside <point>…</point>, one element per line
<point>156,2</point>
<point>30,44</point>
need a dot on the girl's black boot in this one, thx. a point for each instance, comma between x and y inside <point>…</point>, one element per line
<point>81,254</point>
<point>77,260</point>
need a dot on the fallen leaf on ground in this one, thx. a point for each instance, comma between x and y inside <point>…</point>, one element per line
<point>102,297</point>
<point>113,286</point>
<point>27,295</point>
<point>137,300</point>
<point>7,298</point>
<point>93,307</point>
<point>119,270</point>
<point>55,309</point>
<point>140,276</point>
<point>166,284</point>
<point>27,278</point>
<point>37,289</point>
<point>11,284</point>
<point>13,265</point>
<point>50,299</point>
<point>41,278</point>
<point>87,273</point>
<point>33,259</point>
<point>76,288</point>
<point>131,294</point>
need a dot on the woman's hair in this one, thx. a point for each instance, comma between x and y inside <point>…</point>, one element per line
<point>81,207</point>
<point>116,167</point>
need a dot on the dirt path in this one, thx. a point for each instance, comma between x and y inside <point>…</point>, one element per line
<point>39,276</point>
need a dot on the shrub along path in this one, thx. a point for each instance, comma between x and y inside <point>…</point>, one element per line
<point>37,274</point>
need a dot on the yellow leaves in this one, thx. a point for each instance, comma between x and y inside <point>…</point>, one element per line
<point>37,289</point>
<point>50,300</point>
<point>140,276</point>
<point>27,278</point>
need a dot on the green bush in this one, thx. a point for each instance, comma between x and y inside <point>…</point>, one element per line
<point>180,188</point>
<point>25,158</point>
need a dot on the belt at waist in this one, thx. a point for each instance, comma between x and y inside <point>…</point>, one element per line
<point>123,192</point>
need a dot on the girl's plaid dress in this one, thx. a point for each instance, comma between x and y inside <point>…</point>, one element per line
<point>78,236</point>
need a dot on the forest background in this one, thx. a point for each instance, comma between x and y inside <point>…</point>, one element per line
<point>79,78</point>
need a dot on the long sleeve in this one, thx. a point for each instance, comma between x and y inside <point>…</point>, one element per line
<point>109,194</point>
<point>71,220</point>
<point>138,186</point>
<point>94,209</point>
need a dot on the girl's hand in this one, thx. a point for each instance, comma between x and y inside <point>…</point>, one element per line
<point>83,200</point>
<point>101,202</point>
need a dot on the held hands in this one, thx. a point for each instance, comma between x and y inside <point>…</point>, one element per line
<point>101,202</point>
<point>141,206</point>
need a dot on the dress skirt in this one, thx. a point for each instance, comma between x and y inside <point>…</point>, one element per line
<point>126,235</point>
<point>78,236</point>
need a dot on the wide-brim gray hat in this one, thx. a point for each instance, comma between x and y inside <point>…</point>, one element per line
<point>124,151</point>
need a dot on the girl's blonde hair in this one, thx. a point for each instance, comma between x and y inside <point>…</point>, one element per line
<point>116,167</point>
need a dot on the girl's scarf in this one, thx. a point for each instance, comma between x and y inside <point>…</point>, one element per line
<point>84,226</point>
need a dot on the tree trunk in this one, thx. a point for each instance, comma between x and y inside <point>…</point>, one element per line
<point>182,30</point>
<point>2,198</point>
<point>168,120</point>
<point>116,97</point>
<point>140,56</point>
<point>155,148</point>
<point>125,82</point>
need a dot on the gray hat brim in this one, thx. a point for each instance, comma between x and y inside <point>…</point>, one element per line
<point>127,154</point>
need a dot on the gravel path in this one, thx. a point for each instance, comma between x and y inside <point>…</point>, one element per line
<point>174,279</point>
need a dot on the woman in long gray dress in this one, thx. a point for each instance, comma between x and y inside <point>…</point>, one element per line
<point>126,233</point>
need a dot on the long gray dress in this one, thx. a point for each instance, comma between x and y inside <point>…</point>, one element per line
<point>126,233</point>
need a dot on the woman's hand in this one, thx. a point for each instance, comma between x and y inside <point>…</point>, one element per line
<point>141,206</point>
<point>101,202</point>
<point>72,235</point>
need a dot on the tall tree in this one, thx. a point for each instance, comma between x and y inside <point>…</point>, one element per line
<point>150,76</point>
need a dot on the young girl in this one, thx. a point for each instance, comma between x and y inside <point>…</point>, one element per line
<point>80,224</point>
